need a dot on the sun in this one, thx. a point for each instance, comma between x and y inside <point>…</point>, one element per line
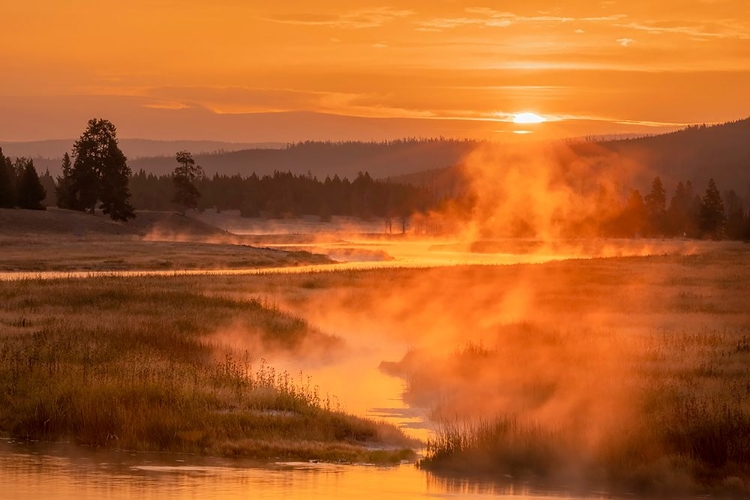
<point>527,118</point>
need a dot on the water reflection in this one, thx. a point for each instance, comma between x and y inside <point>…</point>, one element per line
<point>67,472</point>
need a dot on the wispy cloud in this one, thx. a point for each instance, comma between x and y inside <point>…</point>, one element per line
<point>722,30</point>
<point>625,41</point>
<point>492,18</point>
<point>357,19</point>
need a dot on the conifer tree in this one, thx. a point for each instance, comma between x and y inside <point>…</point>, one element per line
<point>31,193</point>
<point>64,187</point>
<point>185,174</point>
<point>100,172</point>
<point>7,194</point>
<point>656,202</point>
<point>712,216</point>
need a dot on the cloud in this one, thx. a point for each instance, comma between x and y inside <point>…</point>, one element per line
<point>358,19</point>
<point>492,18</point>
<point>247,99</point>
<point>625,41</point>
<point>722,30</point>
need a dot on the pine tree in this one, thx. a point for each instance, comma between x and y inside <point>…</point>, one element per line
<point>656,202</point>
<point>64,188</point>
<point>736,219</point>
<point>7,194</point>
<point>634,215</point>
<point>712,216</point>
<point>101,172</point>
<point>31,193</point>
<point>185,174</point>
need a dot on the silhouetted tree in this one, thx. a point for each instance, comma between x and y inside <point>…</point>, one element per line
<point>736,223</point>
<point>48,183</point>
<point>184,177</point>
<point>634,215</point>
<point>66,197</point>
<point>30,190</point>
<point>656,208</point>
<point>7,187</point>
<point>101,172</point>
<point>712,216</point>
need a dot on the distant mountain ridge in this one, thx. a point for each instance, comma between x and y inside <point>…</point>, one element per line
<point>321,159</point>
<point>54,149</point>
<point>696,153</point>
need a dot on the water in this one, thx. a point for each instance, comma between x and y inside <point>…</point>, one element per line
<point>64,471</point>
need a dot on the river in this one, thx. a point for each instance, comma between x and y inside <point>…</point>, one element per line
<point>67,472</point>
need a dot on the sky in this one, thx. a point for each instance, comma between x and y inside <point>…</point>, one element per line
<point>245,70</point>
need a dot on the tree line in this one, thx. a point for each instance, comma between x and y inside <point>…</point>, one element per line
<point>286,195</point>
<point>688,213</point>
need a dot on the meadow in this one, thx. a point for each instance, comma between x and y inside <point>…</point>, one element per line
<point>67,241</point>
<point>622,373</point>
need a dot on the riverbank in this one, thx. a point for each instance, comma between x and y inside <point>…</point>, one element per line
<point>146,365</point>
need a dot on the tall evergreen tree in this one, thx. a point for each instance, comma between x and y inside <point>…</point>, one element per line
<point>48,183</point>
<point>185,174</point>
<point>634,215</point>
<point>656,202</point>
<point>712,216</point>
<point>7,194</point>
<point>31,193</point>
<point>66,197</point>
<point>736,220</point>
<point>101,172</point>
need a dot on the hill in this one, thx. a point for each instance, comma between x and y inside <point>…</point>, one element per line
<point>47,154</point>
<point>696,153</point>
<point>345,159</point>
<point>55,221</point>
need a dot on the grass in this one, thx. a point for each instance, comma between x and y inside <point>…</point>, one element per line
<point>63,240</point>
<point>141,364</point>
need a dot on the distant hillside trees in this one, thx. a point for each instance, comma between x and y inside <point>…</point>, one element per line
<point>184,177</point>
<point>99,173</point>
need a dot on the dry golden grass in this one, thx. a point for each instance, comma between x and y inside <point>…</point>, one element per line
<point>140,364</point>
<point>63,240</point>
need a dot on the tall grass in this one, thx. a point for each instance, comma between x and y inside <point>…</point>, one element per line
<point>134,364</point>
<point>686,418</point>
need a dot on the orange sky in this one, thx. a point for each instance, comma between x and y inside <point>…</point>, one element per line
<point>192,69</point>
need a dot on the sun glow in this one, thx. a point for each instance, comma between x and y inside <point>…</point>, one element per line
<point>528,118</point>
